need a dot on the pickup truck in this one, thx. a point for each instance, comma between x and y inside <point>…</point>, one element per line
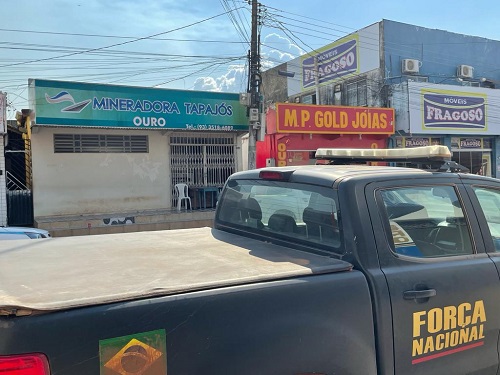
<point>388,270</point>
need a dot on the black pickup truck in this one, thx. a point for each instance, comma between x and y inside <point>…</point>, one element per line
<point>323,269</point>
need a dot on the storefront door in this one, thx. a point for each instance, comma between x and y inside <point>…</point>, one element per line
<point>478,161</point>
<point>201,160</point>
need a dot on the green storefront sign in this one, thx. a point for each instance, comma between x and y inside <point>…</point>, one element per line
<point>59,103</point>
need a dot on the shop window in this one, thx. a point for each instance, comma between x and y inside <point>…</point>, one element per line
<point>309,99</point>
<point>100,143</point>
<point>471,83</point>
<point>417,79</point>
<point>357,93</point>
<point>478,162</point>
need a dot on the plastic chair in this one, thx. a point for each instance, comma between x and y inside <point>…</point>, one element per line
<point>182,195</point>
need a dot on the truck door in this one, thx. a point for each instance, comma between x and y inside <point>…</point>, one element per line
<point>485,196</point>
<point>443,286</point>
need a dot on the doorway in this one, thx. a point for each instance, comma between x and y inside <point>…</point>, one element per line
<point>478,161</point>
<point>201,160</point>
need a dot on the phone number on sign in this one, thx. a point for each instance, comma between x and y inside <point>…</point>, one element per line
<point>208,127</point>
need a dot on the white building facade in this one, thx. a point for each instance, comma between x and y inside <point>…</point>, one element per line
<point>118,151</point>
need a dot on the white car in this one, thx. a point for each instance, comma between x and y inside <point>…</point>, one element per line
<point>20,233</point>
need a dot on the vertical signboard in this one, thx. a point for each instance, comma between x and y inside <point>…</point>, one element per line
<point>3,112</point>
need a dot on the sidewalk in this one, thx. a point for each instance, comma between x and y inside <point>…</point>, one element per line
<point>61,226</point>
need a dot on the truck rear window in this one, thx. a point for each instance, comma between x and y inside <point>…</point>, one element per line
<point>292,212</point>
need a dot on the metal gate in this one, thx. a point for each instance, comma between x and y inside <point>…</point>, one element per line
<point>201,160</point>
<point>19,208</point>
<point>18,181</point>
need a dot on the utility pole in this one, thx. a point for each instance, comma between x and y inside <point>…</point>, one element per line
<point>254,82</point>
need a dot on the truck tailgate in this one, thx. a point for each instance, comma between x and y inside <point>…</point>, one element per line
<point>319,324</point>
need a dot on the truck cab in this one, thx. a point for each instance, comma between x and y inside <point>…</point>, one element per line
<point>425,239</point>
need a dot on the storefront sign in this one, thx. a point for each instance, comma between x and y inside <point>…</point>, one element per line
<point>451,110</point>
<point>447,110</point>
<point>471,143</point>
<point>81,104</point>
<point>300,149</point>
<point>416,142</point>
<point>332,62</point>
<point>298,118</point>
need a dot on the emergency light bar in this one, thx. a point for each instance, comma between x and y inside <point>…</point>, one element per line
<point>437,158</point>
<point>414,154</point>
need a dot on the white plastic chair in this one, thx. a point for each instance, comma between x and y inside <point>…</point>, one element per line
<point>182,195</point>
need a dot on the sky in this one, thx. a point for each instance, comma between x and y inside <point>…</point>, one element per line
<point>195,44</point>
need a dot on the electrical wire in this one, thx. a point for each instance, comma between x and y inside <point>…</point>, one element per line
<point>119,44</point>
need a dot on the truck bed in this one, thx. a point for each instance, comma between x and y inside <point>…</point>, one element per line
<point>191,301</point>
<point>61,273</point>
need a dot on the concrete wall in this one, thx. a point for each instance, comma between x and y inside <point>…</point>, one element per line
<point>439,51</point>
<point>274,88</point>
<point>96,183</point>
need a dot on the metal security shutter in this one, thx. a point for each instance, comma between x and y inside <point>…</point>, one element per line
<point>100,143</point>
<point>201,159</point>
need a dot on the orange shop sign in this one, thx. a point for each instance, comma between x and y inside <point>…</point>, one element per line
<point>330,119</point>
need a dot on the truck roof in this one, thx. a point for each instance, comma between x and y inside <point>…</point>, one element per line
<point>67,272</point>
<point>327,175</point>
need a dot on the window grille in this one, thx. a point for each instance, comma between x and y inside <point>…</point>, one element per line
<point>100,143</point>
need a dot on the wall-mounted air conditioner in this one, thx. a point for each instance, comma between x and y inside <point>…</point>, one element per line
<point>465,71</point>
<point>410,66</point>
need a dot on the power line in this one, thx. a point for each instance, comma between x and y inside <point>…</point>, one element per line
<point>310,18</point>
<point>119,36</point>
<point>118,44</point>
<point>188,75</point>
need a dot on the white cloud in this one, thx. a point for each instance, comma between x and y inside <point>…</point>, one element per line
<point>234,80</point>
<point>277,49</point>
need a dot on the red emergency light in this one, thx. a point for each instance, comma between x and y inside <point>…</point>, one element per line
<point>276,174</point>
<point>26,364</point>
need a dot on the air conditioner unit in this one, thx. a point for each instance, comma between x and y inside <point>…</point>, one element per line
<point>411,66</point>
<point>465,71</point>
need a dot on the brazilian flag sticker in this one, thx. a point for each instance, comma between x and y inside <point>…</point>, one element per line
<point>139,354</point>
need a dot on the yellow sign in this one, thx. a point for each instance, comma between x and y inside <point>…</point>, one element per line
<point>446,330</point>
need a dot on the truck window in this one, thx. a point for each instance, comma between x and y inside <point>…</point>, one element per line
<point>426,222</point>
<point>489,199</point>
<point>298,213</point>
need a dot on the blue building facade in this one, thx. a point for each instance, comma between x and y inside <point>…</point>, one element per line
<point>444,87</point>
